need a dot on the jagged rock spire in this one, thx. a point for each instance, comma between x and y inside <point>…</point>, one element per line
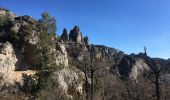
<point>75,35</point>
<point>65,35</point>
<point>86,40</point>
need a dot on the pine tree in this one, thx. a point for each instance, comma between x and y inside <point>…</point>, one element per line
<point>45,55</point>
<point>45,52</point>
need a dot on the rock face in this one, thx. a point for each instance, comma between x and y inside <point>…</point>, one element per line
<point>7,13</point>
<point>73,52</point>
<point>75,35</point>
<point>86,40</point>
<point>7,57</point>
<point>8,64</point>
<point>71,79</point>
<point>21,24</point>
<point>65,35</point>
<point>102,52</point>
<point>61,55</point>
<point>138,68</point>
<point>21,21</point>
<point>132,67</point>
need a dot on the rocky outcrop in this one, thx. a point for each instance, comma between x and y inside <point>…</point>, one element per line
<point>23,25</point>
<point>7,56</point>
<point>73,53</point>
<point>8,63</point>
<point>101,52</point>
<point>61,55</point>
<point>75,35</point>
<point>86,41</point>
<point>138,68</point>
<point>71,79</point>
<point>21,21</point>
<point>7,13</point>
<point>65,36</point>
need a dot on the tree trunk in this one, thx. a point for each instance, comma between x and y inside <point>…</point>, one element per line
<point>92,84</point>
<point>157,87</point>
<point>86,85</point>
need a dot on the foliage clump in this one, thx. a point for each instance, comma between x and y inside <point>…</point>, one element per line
<point>20,38</point>
<point>45,56</point>
<point>44,82</point>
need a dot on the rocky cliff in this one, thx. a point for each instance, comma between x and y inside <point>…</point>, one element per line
<point>73,52</point>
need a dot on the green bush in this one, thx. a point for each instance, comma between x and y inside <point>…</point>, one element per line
<point>4,20</point>
<point>20,38</point>
<point>4,27</point>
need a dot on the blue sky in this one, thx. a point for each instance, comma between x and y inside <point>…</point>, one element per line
<point>127,25</point>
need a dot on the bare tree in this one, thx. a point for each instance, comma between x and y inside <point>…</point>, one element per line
<point>156,69</point>
<point>86,81</point>
<point>93,69</point>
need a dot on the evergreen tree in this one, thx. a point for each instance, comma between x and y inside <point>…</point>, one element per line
<point>45,52</point>
<point>45,55</point>
<point>48,23</point>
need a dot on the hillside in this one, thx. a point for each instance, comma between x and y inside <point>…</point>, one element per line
<point>77,69</point>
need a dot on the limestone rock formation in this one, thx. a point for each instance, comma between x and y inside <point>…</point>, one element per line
<point>71,53</point>
<point>132,66</point>
<point>71,79</point>
<point>24,25</point>
<point>65,36</point>
<point>75,35</point>
<point>7,56</point>
<point>61,55</point>
<point>8,64</point>
<point>7,13</point>
<point>138,68</point>
<point>101,51</point>
<point>86,41</point>
<point>21,21</point>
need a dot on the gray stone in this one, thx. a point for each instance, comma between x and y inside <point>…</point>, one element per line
<point>61,55</point>
<point>75,35</point>
<point>8,62</point>
<point>6,13</point>
<point>65,36</point>
<point>86,41</point>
